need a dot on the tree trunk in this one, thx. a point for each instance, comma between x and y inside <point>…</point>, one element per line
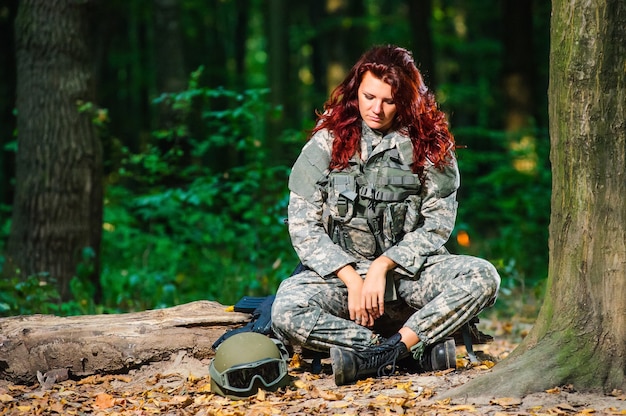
<point>517,76</point>
<point>110,344</point>
<point>420,13</point>
<point>580,334</point>
<point>346,39</point>
<point>7,94</point>
<point>278,70</point>
<point>171,75</point>
<point>57,212</point>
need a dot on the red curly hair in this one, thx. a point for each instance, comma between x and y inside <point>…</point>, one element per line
<point>417,114</point>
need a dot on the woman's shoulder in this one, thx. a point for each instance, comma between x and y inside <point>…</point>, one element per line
<point>323,139</point>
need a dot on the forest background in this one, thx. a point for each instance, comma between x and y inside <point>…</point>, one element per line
<point>202,107</point>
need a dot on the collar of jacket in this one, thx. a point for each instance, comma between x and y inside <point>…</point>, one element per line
<point>392,139</point>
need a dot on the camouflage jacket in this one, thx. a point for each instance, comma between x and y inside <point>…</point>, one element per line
<point>375,206</point>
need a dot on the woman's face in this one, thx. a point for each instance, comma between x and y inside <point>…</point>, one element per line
<point>376,104</point>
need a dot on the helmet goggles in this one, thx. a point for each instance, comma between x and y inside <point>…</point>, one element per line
<point>241,378</point>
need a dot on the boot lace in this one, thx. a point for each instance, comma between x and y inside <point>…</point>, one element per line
<point>381,357</point>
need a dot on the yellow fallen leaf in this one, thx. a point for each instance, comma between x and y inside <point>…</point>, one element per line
<point>296,361</point>
<point>405,386</point>
<point>261,395</point>
<point>506,401</point>
<point>339,405</point>
<point>205,388</point>
<point>365,385</point>
<point>462,408</point>
<point>589,411</point>
<point>93,379</point>
<point>388,400</point>
<point>230,308</point>
<point>444,372</point>
<point>300,384</point>
<point>24,409</point>
<point>6,398</point>
<point>330,395</point>
<point>555,390</point>
<point>427,393</point>
<point>462,362</point>
<point>184,400</point>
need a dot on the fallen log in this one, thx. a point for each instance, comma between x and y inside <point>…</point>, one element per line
<point>109,344</point>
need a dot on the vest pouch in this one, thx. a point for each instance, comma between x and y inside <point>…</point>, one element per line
<point>412,217</point>
<point>342,194</point>
<point>393,222</point>
<point>358,237</point>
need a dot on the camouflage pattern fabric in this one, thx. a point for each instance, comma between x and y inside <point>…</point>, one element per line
<point>435,292</point>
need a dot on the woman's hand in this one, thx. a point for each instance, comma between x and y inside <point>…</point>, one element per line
<point>373,291</point>
<point>354,283</point>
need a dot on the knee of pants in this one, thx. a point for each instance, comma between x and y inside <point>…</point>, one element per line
<point>490,279</point>
<point>280,316</point>
<point>291,320</point>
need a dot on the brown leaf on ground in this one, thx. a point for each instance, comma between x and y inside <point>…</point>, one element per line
<point>104,401</point>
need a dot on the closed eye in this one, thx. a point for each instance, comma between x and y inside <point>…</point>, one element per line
<point>371,97</point>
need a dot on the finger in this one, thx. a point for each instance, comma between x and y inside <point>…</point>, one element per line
<point>381,307</point>
<point>374,308</point>
<point>366,303</point>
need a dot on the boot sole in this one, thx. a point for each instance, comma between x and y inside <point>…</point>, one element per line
<point>341,367</point>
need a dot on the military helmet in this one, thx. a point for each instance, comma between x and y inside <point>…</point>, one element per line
<point>247,361</point>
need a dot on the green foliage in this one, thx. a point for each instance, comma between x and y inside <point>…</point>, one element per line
<point>504,207</point>
<point>198,217</point>
<point>39,294</point>
<point>28,296</point>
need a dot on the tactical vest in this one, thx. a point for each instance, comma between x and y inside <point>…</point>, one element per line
<point>371,205</point>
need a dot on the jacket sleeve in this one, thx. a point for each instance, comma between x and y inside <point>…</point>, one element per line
<point>312,244</point>
<point>438,215</point>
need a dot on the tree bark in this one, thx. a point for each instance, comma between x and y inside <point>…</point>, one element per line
<point>580,334</point>
<point>95,344</point>
<point>57,212</point>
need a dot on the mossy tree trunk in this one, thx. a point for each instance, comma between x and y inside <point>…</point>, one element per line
<point>580,334</point>
<point>57,211</point>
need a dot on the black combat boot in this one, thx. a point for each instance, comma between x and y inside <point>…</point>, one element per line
<point>438,356</point>
<point>379,360</point>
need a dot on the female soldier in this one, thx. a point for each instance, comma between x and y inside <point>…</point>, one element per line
<point>372,203</point>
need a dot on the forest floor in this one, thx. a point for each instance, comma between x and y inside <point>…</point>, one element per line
<point>181,386</point>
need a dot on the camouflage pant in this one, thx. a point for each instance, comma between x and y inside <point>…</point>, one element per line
<point>449,291</point>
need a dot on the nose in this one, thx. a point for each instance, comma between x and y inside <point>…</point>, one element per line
<point>377,107</point>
